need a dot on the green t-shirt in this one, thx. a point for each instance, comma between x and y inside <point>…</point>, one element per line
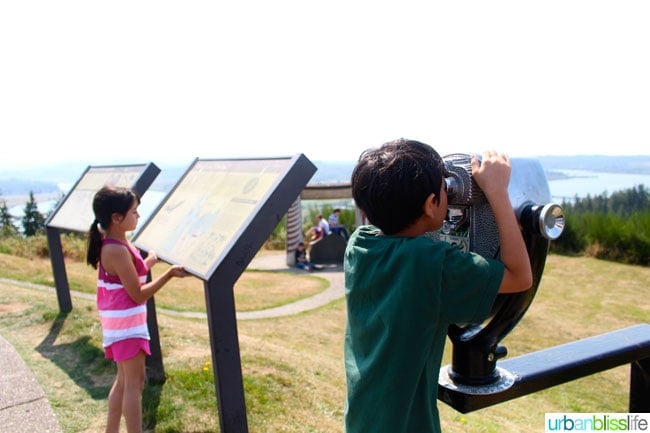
<point>402,293</point>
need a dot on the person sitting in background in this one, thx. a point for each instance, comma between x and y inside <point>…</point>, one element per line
<point>322,223</point>
<point>319,231</point>
<point>335,226</point>
<point>302,261</point>
<point>314,234</point>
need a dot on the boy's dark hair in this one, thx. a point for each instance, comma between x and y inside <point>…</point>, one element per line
<point>107,201</point>
<point>391,183</point>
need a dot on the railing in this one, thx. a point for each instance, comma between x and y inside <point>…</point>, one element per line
<point>543,369</point>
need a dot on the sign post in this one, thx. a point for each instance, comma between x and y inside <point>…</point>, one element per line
<point>213,222</point>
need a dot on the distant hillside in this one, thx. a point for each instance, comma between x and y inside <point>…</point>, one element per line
<point>45,180</point>
<point>334,172</point>
<point>604,164</point>
<point>22,186</point>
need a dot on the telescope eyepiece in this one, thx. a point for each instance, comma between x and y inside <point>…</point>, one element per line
<point>454,188</point>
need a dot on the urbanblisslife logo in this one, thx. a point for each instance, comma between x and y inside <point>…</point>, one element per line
<point>597,422</point>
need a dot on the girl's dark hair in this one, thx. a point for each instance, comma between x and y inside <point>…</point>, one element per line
<point>107,201</point>
<point>391,183</point>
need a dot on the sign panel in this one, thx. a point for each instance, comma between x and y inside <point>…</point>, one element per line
<point>75,212</point>
<point>208,209</point>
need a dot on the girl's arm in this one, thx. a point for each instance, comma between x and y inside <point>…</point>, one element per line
<point>118,261</point>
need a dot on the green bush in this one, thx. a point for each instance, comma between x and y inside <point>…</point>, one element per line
<point>613,228</point>
<point>278,238</point>
<point>74,246</point>
<point>346,217</point>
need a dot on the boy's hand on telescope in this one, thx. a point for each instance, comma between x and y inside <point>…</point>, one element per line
<point>492,174</point>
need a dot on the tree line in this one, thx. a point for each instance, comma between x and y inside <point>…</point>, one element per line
<point>32,222</point>
<point>615,227</point>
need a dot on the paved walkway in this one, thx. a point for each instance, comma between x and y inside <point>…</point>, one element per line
<point>23,405</point>
<point>278,262</point>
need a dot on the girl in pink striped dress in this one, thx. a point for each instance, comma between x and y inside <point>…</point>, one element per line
<point>122,292</point>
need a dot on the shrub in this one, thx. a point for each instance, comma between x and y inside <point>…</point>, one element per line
<point>346,218</point>
<point>612,228</point>
<point>74,246</point>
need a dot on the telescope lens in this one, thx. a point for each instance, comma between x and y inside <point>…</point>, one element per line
<point>547,220</point>
<point>551,221</point>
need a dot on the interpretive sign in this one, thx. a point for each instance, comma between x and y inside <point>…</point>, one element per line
<point>213,222</point>
<point>206,211</point>
<point>75,212</point>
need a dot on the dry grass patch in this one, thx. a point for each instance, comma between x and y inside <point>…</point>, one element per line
<point>255,290</point>
<point>13,307</point>
<point>293,366</point>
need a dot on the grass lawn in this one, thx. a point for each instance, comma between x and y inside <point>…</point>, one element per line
<point>293,366</point>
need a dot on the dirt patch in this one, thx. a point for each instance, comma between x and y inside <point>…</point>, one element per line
<point>13,307</point>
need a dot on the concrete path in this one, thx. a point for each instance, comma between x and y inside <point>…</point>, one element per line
<point>332,273</point>
<point>23,406</point>
<point>273,263</point>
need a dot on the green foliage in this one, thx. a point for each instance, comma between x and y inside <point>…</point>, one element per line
<point>277,239</point>
<point>33,221</point>
<point>7,227</point>
<point>74,246</point>
<point>31,247</point>
<point>613,228</point>
<point>346,218</point>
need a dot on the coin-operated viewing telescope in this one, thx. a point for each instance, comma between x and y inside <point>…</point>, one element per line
<point>470,225</point>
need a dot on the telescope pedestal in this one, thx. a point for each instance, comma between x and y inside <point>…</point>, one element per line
<point>536,371</point>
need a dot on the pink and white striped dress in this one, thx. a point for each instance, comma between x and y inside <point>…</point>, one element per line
<point>119,315</point>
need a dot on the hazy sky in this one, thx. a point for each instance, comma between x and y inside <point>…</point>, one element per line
<point>168,81</point>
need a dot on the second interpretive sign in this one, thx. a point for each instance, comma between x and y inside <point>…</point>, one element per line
<point>208,208</point>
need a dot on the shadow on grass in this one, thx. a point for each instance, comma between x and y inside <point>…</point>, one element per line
<point>150,403</point>
<point>81,360</point>
<point>87,367</point>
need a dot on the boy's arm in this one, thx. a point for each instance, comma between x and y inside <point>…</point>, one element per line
<point>493,176</point>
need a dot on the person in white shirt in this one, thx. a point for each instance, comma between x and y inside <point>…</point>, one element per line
<point>335,225</point>
<point>322,223</point>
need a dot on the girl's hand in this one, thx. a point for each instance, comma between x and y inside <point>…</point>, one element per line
<point>178,271</point>
<point>151,259</point>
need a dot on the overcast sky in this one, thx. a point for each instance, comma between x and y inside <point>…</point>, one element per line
<point>168,81</point>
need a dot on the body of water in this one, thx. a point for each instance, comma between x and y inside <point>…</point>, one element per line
<point>578,183</point>
<point>148,204</point>
<point>581,183</point>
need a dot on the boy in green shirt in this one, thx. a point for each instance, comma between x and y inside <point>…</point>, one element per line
<point>403,289</point>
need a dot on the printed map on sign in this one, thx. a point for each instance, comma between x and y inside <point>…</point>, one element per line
<point>207,209</point>
<point>76,211</point>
